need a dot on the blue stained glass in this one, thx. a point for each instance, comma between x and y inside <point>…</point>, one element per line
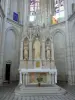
<point>15,16</point>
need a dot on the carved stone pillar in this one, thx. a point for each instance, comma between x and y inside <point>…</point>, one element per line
<point>30,54</point>
<point>21,51</point>
<point>9,7</point>
<point>43,49</point>
<point>50,78</point>
<point>30,49</point>
<point>55,77</point>
<point>20,82</point>
<point>26,12</point>
<point>26,77</point>
<point>52,54</point>
<point>23,79</point>
<point>43,52</point>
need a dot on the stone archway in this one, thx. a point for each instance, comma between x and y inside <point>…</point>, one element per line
<point>11,52</point>
<point>60,54</point>
<point>36,47</point>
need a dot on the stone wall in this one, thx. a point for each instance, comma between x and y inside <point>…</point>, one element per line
<point>1,38</point>
<point>12,39</point>
<point>71,55</point>
<point>63,35</point>
<point>59,38</point>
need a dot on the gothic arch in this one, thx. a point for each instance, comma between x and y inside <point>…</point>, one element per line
<point>56,31</point>
<point>35,34</point>
<point>24,37</point>
<point>60,53</point>
<point>47,37</point>
<point>13,29</point>
<point>14,49</point>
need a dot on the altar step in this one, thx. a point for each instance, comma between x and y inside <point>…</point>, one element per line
<point>32,91</point>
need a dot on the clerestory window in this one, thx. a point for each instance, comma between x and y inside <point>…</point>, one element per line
<point>58,11</point>
<point>34,6</point>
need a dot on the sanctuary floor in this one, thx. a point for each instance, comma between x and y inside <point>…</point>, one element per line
<point>7,93</point>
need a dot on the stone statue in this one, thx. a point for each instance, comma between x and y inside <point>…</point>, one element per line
<point>25,54</point>
<point>25,50</point>
<point>36,48</point>
<point>48,53</point>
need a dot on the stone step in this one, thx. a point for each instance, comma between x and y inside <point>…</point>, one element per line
<point>28,91</point>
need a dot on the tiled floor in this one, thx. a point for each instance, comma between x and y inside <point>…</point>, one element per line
<point>7,93</point>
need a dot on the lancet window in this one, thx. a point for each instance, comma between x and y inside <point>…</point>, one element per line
<point>34,6</point>
<point>58,11</point>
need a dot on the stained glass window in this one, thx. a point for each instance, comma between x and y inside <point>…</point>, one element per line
<point>59,8</point>
<point>59,11</point>
<point>34,6</point>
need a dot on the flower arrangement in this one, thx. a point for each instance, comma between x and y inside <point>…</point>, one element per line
<point>39,79</point>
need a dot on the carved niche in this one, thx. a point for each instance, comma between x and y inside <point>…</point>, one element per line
<point>26,49</point>
<point>48,49</point>
<point>36,48</point>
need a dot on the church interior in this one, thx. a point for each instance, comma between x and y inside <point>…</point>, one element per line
<point>37,49</point>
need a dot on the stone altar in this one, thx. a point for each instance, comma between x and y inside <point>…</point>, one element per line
<point>37,58</point>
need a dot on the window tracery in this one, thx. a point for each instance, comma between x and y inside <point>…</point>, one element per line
<point>34,6</point>
<point>58,11</point>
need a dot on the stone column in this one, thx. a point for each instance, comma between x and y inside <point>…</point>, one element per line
<point>30,49</point>
<point>52,7</point>
<point>30,54</point>
<point>20,82</point>
<point>6,7</point>
<point>9,3</point>
<point>55,77</point>
<point>20,10</point>
<point>9,8</point>
<point>43,49</point>
<point>43,52</point>
<point>50,1</point>
<point>26,11</point>
<point>52,54</point>
<point>52,77</point>
<point>49,78</point>
<point>68,44</point>
<point>23,79</point>
<point>26,79</point>
<point>21,51</point>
